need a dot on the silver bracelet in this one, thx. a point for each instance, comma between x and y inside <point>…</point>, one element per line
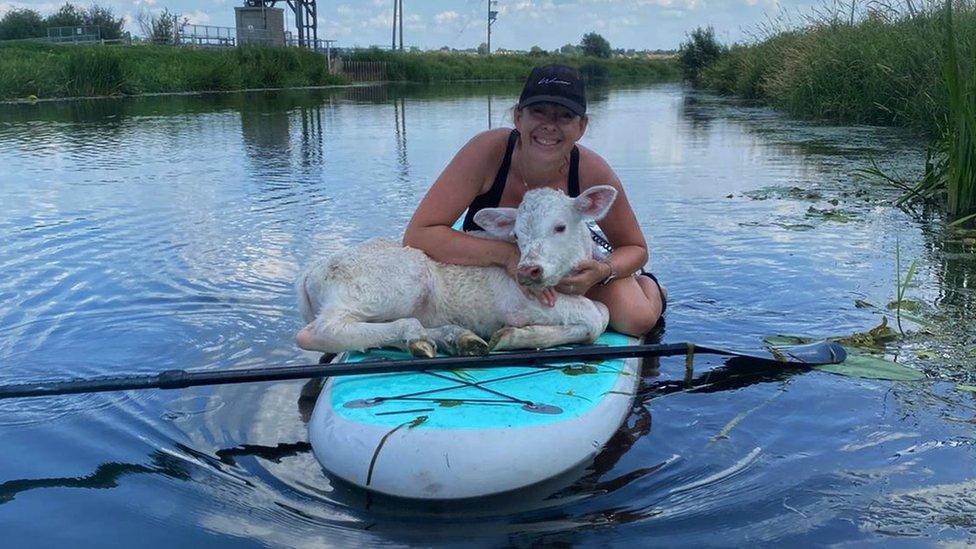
<point>613,271</point>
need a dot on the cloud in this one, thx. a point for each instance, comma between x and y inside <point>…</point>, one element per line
<point>445,17</point>
<point>197,17</point>
<point>41,7</point>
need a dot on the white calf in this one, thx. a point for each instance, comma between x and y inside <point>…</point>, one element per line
<point>384,295</point>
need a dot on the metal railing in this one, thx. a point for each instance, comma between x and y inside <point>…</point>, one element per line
<point>361,71</point>
<point>78,34</point>
<point>207,35</point>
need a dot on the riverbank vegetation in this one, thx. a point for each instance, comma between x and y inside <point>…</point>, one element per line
<point>33,68</point>
<point>446,67</point>
<point>21,23</point>
<point>911,67</point>
<point>29,69</point>
<point>38,70</point>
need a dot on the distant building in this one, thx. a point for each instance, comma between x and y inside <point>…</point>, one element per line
<point>260,25</point>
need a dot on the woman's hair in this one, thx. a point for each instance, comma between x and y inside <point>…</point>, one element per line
<point>511,113</point>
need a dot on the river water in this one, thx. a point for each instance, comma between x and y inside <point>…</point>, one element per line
<point>165,232</point>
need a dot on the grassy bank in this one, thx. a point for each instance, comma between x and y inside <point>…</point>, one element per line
<point>46,70</point>
<point>877,71</point>
<point>914,70</point>
<point>441,67</point>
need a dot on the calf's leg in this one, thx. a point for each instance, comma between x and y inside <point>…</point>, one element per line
<point>540,337</point>
<point>458,341</point>
<point>334,334</point>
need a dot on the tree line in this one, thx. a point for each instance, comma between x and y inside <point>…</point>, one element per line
<point>21,23</point>
<point>591,45</point>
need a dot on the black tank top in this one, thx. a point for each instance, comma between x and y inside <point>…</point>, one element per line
<point>493,197</point>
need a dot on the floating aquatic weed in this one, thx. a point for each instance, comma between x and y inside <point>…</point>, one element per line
<point>904,305</point>
<point>914,316</point>
<point>865,365</point>
<point>874,338</point>
<point>861,362</point>
<point>795,226</point>
<point>579,369</point>
<point>780,192</point>
<point>828,214</point>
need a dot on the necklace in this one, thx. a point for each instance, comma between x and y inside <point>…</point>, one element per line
<point>525,183</point>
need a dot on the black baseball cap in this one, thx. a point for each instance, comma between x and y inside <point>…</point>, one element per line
<point>557,84</point>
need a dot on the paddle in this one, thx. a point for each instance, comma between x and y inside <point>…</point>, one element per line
<point>813,354</point>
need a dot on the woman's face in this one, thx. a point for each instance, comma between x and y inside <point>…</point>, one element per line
<point>549,131</point>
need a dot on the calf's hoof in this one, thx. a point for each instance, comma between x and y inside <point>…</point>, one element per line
<point>423,348</point>
<point>502,339</point>
<point>470,344</point>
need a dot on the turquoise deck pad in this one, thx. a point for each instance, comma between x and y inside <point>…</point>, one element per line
<point>567,390</point>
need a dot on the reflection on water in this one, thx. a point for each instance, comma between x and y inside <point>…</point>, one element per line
<point>163,232</point>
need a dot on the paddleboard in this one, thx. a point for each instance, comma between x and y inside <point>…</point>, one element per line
<point>457,434</point>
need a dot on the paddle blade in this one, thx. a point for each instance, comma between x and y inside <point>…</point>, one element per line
<point>813,354</point>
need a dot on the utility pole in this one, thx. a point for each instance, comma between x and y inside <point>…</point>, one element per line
<point>396,8</point>
<point>397,16</point>
<point>492,16</point>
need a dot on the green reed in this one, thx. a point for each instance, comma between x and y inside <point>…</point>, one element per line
<point>44,70</point>
<point>950,160</point>
<point>901,284</point>
<point>874,72</point>
<point>446,67</point>
<point>908,69</point>
<point>959,138</point>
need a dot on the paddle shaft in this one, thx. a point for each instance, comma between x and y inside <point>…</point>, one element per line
<point>179,379</point>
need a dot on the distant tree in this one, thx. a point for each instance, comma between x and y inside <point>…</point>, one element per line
<point>698,52</point>
<point>595,45</point>
<point>22,23</point>
<point>67,15</point>
<point>482,49</point>
<point>162,27</point>
<point>536,51</point>
<point>569,49</point>
<point>111,26</point>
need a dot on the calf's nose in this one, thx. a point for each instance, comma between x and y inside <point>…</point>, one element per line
<point>529,274</point>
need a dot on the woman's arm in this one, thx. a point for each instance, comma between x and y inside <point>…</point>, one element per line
<point>469,174</point>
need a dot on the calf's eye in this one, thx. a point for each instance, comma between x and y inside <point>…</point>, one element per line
<point>560,228</point>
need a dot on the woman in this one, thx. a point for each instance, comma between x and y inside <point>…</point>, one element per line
<point>497,168</point>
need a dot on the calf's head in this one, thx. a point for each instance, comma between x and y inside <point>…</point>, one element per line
<point>550,230</point>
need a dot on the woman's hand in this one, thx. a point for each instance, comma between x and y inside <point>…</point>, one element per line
<point>546,296</point>
<point>588,273</point>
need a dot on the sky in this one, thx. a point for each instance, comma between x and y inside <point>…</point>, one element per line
<point>521,24</point>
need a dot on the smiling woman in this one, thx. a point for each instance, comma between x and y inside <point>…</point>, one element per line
<point>498,167</point>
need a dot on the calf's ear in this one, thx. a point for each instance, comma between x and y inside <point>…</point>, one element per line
<point>595,202</point>
<point>497,221</point>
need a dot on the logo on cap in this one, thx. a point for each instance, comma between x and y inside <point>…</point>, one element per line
<point>548,80</point>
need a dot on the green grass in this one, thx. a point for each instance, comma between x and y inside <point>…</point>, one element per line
<point>914,71</point>
<point>960,135</point>
<point>46,70</point>
<point>873,72</point>
<point>445,67</point>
